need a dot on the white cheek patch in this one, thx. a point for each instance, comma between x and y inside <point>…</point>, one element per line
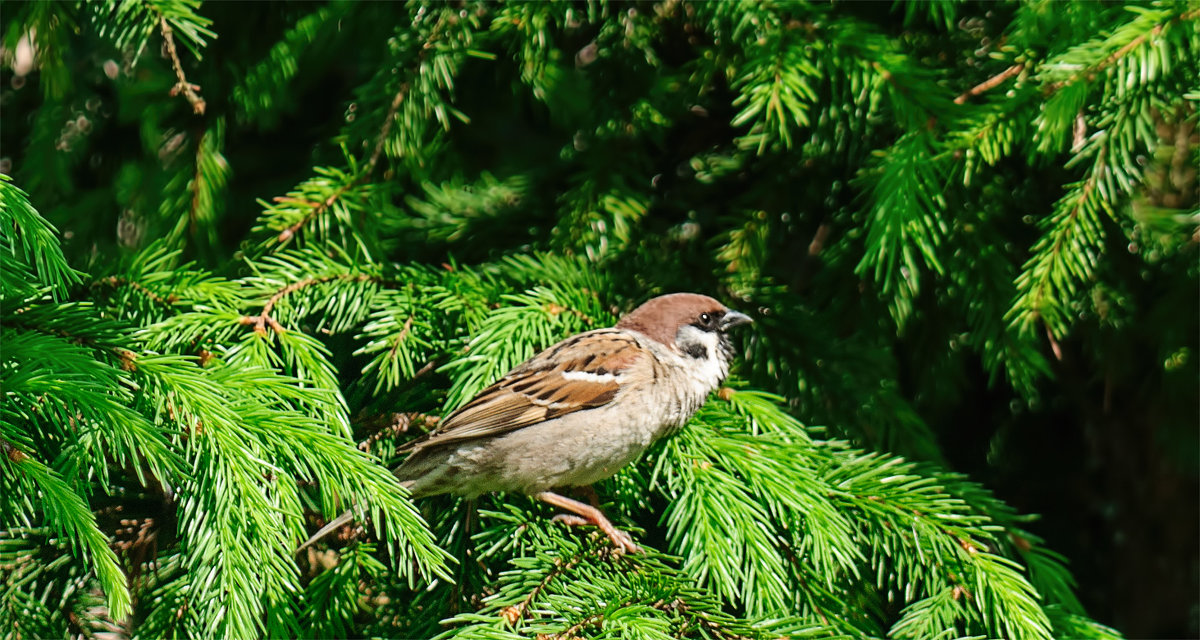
<point>695,342</point>
<point>587,376</point>
<point>707,365</point>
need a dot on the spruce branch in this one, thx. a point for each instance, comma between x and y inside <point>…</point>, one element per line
<point>388,122</point>
<point>416,286</point>
<point>1090,73</point>
<point>990,83</point>
<point>32,241</point>
<point>1068,253</point>
<point>264,318</point>
<point>182,86</point>
<point>515,613</point>
<point>68,514</point>
<point>315,209</point>
<point>261,92</point>
<point>116,282</point>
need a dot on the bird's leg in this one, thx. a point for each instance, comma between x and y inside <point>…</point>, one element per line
<point>588,492</point>
<point>590,514</point>
<point>570,520</point>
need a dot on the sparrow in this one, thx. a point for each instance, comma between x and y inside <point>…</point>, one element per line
<point>579,411</point>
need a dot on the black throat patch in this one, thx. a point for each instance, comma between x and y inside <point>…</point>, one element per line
<point>696,350</point>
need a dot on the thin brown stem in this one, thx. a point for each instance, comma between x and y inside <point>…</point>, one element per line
<point>377,152</point>
<point>264,319</point>
<point>321,208</point>
<point>516,612</point>
<point>182,85</point>
<point>1122,52</point>
<point>115,282</point>
<point>990,83</point>
<point>570,631</point>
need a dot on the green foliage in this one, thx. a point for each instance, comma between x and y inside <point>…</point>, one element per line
<point>914,214</point>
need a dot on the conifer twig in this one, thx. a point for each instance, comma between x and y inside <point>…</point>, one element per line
<point>115,281</point>
<point>517,611</point>
<point>322,207</point>
<point>990,83</point>
<point>264,319</point>
<point>1122,52</point>
<point>399,423</point>
<point>377,152</point>
<point>182,85</point>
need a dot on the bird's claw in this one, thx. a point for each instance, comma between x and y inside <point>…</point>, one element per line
<point>622,542</point>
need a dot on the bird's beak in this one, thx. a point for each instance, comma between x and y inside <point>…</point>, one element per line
<point>733,319</point>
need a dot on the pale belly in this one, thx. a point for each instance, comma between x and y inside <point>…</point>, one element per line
<point>578,449</point>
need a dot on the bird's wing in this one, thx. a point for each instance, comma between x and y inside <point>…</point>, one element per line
<point>582,372</point>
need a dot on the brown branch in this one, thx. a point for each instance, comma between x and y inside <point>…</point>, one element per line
<point>569,632</point>
<point>182,85</point>
<point>114,282</point>
<point>377,152</point>
<point>321,208</point>
<point>1122,52</point>
<point>264,319</point>
<point>555,309</point>
<point>1057,249</point>
<point>1054,346</point>
<point>990,83</point>
<point>398,99</point>
<point>426,368</point>
<point>400,337</point>
<point>675,606</point>
<point>810,261</point>
<point>516,612</point>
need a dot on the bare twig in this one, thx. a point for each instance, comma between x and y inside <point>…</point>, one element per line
<point>990,83</point>
<point>182,85</point>
<point>570,632</point>
<point>1054,346</point>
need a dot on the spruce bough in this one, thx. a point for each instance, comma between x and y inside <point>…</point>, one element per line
<point>188,393</point>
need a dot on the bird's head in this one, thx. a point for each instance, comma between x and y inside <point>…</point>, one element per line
<point>688,323</point>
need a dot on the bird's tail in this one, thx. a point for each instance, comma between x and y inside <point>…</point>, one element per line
<point>327,529</point>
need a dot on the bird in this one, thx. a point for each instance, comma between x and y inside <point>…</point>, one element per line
<point>579,411</point>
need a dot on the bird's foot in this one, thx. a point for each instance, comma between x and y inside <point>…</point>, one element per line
<point>570,520</point>
<point>589,515</point>
<point>622,541</point>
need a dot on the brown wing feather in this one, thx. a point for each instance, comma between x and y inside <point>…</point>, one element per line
<point>538,390</point>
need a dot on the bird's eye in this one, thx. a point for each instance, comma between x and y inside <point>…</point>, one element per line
<point>705,319</point>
